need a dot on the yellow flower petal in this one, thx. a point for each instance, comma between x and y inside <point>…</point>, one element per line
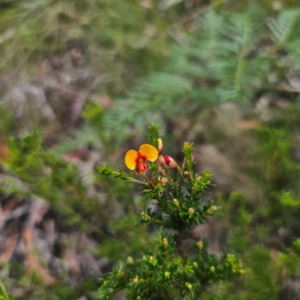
<point>149,151</point>
<point>130,159</point>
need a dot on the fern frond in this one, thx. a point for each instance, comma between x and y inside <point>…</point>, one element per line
<point>294,53</point>
<point>181,63</point>
<point>222,62</point>
<point>81,137</point>
<point>166,84</point>
<point>285,27</point>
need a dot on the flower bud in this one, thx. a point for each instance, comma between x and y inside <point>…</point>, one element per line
<point>171,163</point>
<point>192,157</point>
<point>167,274</point>
<point>212,269</point>
<point>163,180</point>
<point>160,145</point>
<point>187,144</point>
<point>120,274</point>
<point>153,260</point>
<point>188,285</point>
<point>165,242</point>
<point>212,209</point>
<point>200,245</point>
<point>185,173</point>
<point>136,279</point>
<point>195,264</point>
<point>130,260</point>
<point>106,282</point>
<point>145,217</point>
<point>191,210</point>
<point>176,202</point>
<point>161,162</point>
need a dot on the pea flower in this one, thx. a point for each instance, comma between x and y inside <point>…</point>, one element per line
<point>138,159</point>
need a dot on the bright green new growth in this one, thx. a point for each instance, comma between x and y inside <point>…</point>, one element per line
<point>177,268</point>
<point>4,295</point>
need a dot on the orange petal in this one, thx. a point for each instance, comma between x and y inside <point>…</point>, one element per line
<point>130,159</point>
<point>149,151</point>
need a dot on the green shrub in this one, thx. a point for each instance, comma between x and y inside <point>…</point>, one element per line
<point>169,271</point>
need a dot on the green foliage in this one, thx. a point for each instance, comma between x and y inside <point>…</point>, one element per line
<point>35,29</point>
<point>259,283</point>
<point>169,271</point>
<point>32,170</point>
<point>285,28</point>
<point>166,275</point>
<point>261,263</point>
<point>237,212</point>
<point>130,240</point>
<point>272,222</point>
<point>228,57</point>
<point>296,245</point>
<point>250,234</point>
<point>269,5</point>
<point>275,151</point>
<point>44,174</point>
<point>4,295</point>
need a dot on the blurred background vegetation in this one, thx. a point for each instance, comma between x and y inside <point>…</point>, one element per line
<point>80,82</point>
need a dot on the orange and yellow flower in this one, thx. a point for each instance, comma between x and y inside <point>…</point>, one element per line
<point>137,160</point>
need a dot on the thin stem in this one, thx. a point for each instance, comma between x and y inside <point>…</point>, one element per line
<point>148,182</point>
<point>138,181</point>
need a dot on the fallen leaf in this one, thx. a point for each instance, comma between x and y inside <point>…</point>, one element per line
<point>248,124</point>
